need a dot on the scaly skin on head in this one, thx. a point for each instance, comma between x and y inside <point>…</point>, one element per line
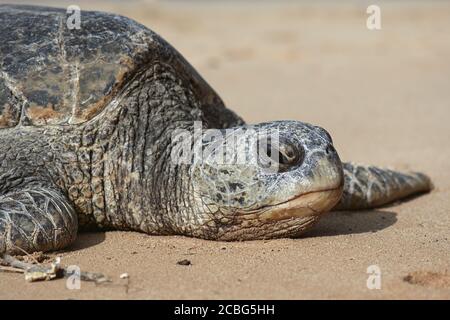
<point>238,196</point>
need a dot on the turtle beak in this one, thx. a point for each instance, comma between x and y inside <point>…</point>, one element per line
<point>305,205</point>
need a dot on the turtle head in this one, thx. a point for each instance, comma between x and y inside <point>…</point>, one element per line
<point>263,181</point>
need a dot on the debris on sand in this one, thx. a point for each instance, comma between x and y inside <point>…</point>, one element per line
<point>184,262</point>
<point>429,279</point>
<point>39,272</point>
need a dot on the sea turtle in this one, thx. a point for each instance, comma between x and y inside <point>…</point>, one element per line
<point>106,127</point>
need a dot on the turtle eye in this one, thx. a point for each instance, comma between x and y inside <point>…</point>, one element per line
<point>282,155</point>
<point>289,156</point>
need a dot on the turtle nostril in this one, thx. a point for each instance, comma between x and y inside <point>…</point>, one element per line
<point>329,149</point>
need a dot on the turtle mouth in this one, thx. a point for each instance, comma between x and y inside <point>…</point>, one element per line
<point>304,205</point>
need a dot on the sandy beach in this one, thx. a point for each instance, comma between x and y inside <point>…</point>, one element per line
<point>384,95</point>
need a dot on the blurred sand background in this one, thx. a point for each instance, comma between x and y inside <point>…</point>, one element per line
<point>383,95</point>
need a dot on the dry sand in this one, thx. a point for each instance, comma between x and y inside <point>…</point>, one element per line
<point>385,98</point>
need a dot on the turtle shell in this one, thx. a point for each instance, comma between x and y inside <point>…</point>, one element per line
<point>51,74</point>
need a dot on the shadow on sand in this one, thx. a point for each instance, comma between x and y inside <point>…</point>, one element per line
<point>87,239</point>
<point>332,224</point>
<point>352,222</point>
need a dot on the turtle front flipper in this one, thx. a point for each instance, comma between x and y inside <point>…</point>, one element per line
<point>36,219</point>
<point>368,187</point>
